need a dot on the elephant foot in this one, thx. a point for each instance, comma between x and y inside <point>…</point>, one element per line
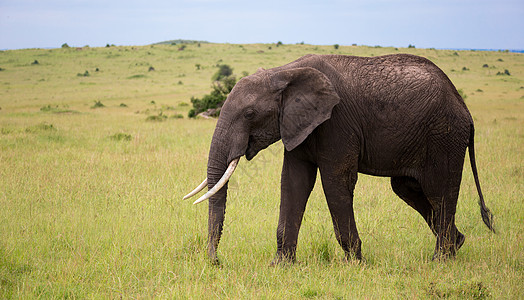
<point>443,253</point>
<point>460,240</point>
<point>282,259</point>
<point>214,261</point>
<point>212,257</point>
<point>353,256</point>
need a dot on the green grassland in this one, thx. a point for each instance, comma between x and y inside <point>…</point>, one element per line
<point>90,196</point>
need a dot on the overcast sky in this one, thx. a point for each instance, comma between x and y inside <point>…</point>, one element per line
<point>474,24</point>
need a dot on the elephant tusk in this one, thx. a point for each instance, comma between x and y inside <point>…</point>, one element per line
<point>227,174</point>
<point>196,190</point>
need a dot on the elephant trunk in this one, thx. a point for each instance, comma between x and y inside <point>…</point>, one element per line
<point>224,154</point>
<point>219,168</point>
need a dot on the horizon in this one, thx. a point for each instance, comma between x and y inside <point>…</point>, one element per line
<point>468,24</point>
<point>270,43</point>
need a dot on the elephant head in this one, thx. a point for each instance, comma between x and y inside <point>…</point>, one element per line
<point>285,103</point>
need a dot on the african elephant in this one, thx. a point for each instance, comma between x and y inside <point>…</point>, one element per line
<point>397,116</point>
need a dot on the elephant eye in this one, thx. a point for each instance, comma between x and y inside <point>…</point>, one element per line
<point>249,114</point>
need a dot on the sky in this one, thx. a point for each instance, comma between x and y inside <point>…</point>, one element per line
<point>457,24</point>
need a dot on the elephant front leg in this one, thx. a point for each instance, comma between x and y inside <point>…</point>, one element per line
<point>298,179</point>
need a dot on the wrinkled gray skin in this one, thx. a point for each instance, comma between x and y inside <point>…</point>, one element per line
<point>397,116</point>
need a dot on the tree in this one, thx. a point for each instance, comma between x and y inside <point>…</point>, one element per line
<point>223,72</point>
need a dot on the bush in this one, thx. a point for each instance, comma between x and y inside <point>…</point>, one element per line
<point>223,72</point>
<point>336,46</point>
<point>157,118</point>
<point>214,100</point>
<point>65,45</point>
<point>98,104</point>
<point>40,127</point>
<point>137,76</point>
<point>462,94</point>
<point>505,73</point>
<point>56,109</point>
<point>120,137</point>
<point>223,83</point>
<point>85,74</point>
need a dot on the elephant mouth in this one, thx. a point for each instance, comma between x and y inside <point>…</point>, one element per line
<point>250,151</point>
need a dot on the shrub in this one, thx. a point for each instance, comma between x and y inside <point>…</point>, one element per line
<point>40,127</point>
<point>505,73</point>
<point>123,105</point>
<point>223,83</point>
<point>336,46</point>
<point>56,109</point>
<point>98,104</point>
<point>85,74</point>
<point>35,62</point>
<point>485,66</point>
<point>177,116</point>
<point>47,108</point>
<point>120,137</point>
<point>65,45</point>
<point>462,94</point>
<point>411,46</point>
<point>137,76</point>
<point>157,118</point>
<point>223,72</point>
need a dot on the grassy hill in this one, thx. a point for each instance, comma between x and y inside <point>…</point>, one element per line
<point>96,152</point>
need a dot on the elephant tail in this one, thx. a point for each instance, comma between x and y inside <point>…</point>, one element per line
<point>487,216</point>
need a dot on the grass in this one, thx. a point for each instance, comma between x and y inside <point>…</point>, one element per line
<point>91,200</point>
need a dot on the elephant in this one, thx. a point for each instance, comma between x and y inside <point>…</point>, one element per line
<point>396,116</point>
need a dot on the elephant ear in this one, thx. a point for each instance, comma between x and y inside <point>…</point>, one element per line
<point>308,97</point>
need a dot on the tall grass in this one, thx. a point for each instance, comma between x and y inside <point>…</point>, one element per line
<point>86,214</point>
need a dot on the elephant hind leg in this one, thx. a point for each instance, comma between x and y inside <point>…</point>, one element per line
<point>410,190</point>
